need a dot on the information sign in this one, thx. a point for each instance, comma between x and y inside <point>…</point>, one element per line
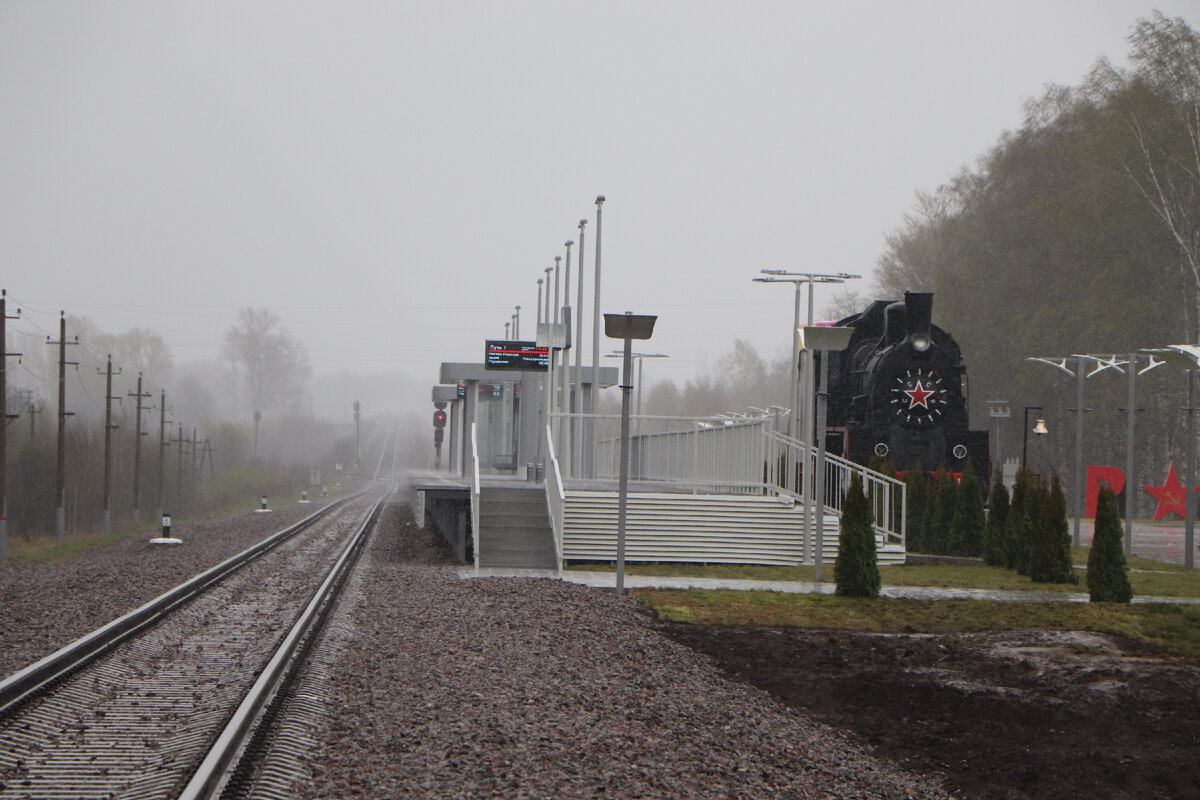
<point>516,355</point>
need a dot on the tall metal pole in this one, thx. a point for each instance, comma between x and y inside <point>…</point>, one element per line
<point>4,355</point>
<point>1130,495</point>
<point>548,316</point>
<point>539,305</point>
<point>594,391</point>
<point>577,450</point>
<point>623,481</point>
<point>557,268</point>
<point>137,453</point>
<point>564,389</point>
<point>162,452</point>
<point>1079,378</point>
<point>60,473</point>
<point>517,323</point>
<point>1189,525</point>
<point>108,426</point>
<point>819,477</point>
<point>809,429</point>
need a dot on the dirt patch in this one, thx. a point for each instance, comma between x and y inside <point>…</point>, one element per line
<point>1030,714</point>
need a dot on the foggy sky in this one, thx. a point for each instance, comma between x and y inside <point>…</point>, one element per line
<point>391,178</point>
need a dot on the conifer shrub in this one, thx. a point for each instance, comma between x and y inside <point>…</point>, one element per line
<point>1018,526</point>
<point>1107,573</point>
<point>993,533</point>
<point>945,502</point>
<point>917,494</point>
<point>1050,547</point>
<point>856,570</point>
<point>969,518</point>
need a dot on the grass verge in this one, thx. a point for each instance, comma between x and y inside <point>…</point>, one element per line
<point>1158,580</point>
<point>1174,628</point>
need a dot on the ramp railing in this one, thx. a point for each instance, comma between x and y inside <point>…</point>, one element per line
<point>720,455</point>
<point>555,497</point>
<point>474,466</point>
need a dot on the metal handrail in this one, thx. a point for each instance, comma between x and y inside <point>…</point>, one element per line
<point>475,494</point>
<point>555,497</point>
<point>743,456</point>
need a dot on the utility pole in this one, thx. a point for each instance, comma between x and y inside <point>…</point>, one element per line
<point>162,451</point>
<point>195,467</point>
<point>357,435</point>
<point>179,469</point>
<point>60,480</point>
<point>33,412</point>
<point>137,451</point>
<point>108,429</point>
<point>4,354</point>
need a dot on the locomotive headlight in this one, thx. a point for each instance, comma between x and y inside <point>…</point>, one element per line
<point>921,342</point>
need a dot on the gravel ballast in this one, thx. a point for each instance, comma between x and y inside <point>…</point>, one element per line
<point>515,687</point>
<point>46,606</point>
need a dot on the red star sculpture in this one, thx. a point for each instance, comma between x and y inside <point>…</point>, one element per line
<point>918,396</point>
<point>1170,496</point>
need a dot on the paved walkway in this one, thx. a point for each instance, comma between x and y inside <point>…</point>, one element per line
<point>609,580</point>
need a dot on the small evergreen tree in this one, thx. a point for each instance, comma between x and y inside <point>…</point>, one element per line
<point>1050,547</point>
<point>1107,574</point>
<point>945,501</point>
<point>917,494</point>
<point>1018,525</point>
<point>856,571</point>
<point>969,519</point>
<point>993,534</point>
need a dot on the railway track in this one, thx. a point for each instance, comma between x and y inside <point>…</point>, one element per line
<point>166,701</point>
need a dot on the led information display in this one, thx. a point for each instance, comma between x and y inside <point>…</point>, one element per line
<point>516,355</point>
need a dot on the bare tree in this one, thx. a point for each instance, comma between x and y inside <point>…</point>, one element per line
<point>1166,165</point>
<point>270,363</point>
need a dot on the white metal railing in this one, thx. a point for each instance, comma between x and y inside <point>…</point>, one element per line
<point>555,497</point>
<point>886,495</point>
<point>718,455</point>
<point>688,453</point>
<point>474,495</point>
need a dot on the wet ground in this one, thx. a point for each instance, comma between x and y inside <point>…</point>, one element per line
<point>1003,715</point>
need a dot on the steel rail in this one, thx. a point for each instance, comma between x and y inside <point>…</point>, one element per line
<point>26,682</point>
<point>284,666</point>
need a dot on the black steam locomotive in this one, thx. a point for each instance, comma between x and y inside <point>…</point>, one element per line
<point>899,391</point>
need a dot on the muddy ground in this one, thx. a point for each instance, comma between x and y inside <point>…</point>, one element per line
<point>1001,715</point>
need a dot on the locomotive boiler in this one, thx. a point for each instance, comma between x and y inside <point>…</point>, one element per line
<point>899,391</point>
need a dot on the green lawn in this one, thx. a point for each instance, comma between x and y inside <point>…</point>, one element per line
<point>1175,628</point>
<point>1150,578</point>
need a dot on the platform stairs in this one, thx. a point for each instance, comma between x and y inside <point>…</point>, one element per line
<point>701,490</point>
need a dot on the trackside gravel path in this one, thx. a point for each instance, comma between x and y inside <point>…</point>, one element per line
<point>511,687</point>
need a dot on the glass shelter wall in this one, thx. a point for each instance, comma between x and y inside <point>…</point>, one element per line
<point>497,415</point>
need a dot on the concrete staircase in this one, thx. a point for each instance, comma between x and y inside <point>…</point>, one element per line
<point>514,528</point>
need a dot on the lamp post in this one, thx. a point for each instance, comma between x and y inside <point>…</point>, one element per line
<point>1100,363</point>
<point>800,424</point>
<point>548,317</point>
<point>1186,356</point>
<point>517,323</point>
<point>639,357</point>
<point>821,340</point>
<point>594,392</point>
<point>577,439</point>
<point>1039,428</point>
<point>625,326</point>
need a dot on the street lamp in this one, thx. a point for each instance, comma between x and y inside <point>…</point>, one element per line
<point>800,426</point>
<point>823,340</point>
<point>1039,428</point>
<point>517,323</point>
<point>639,357</point>
<point>1186,356</point>
<point>627,326</point>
